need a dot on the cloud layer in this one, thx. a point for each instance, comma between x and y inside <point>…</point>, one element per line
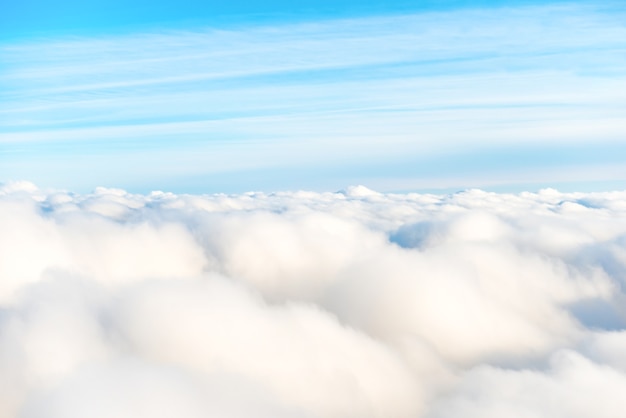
<point>347,304</point>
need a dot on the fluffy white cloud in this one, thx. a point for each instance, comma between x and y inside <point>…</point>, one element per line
<point>347,304</point>
<point>572,386</point>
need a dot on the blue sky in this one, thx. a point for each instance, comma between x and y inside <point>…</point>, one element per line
<point>194,97</point>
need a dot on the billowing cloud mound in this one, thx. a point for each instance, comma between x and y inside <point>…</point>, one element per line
<point>348,304</point>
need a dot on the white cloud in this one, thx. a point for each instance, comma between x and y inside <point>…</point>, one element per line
<point>572,386</point>
<point>353,303</point>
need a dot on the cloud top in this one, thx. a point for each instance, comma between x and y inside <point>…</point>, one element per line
<point>346,304</point>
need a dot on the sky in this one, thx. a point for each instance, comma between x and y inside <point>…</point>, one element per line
<point>210,97</point>
<point>317,209</point>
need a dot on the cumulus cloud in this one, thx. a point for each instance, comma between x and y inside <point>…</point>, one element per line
<point>346,304</point>
<point>572,386</point>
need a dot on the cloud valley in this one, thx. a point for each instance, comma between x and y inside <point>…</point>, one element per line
<point>346,304</point>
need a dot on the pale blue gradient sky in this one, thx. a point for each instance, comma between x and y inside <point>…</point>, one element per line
<point>485,95</point>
